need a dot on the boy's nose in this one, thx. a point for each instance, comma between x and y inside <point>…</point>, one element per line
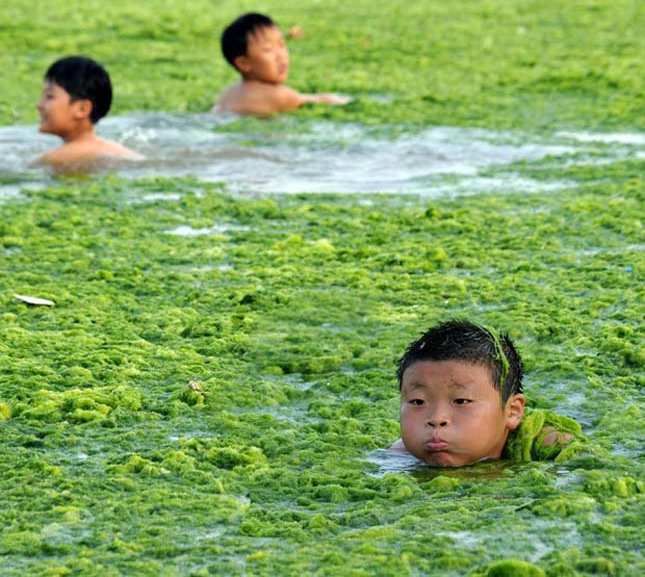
<point>440,422</point>
<point>437,417</point>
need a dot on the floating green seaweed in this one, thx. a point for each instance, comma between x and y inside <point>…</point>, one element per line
<point>172,414</point>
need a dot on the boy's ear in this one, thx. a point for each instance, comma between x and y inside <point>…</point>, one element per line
<point>243,64</point>
<point>514,411</point>
<point>82,108</point>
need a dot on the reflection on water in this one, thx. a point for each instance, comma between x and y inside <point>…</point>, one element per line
<point>389,461</point>
<point>286,155</point>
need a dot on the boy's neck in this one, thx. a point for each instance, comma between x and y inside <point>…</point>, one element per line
<point>251,80</point>
<point>84,131</point>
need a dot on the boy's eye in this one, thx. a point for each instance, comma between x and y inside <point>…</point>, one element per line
<point>462,401</point>
<point>416,402</point>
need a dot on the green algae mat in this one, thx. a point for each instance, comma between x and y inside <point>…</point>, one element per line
<point>212,391</point>
<point>491,63</point>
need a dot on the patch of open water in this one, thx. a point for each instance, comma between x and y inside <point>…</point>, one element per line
<point>287,156</point>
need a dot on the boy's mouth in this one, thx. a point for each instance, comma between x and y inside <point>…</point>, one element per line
<point>434,445</point>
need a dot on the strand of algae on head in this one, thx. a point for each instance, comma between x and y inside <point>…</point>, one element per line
<point>293,348</point>
<point>499,354</point>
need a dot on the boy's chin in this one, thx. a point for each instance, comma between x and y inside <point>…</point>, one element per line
<point>444,461</point>
<point>447,460</point>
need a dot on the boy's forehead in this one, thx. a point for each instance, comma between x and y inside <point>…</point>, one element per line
<point>453,373</point>
<point>53,86</point>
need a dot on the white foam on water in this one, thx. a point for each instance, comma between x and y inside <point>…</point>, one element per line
<point>220,228</point>
<point>629,138</point>
<point>157,196</point>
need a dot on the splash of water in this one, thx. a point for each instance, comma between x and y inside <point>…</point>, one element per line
<point>286,156</point>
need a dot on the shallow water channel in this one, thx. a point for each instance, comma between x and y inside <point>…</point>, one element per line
<point>287,156</point>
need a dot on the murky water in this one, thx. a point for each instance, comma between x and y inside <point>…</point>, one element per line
<point>396,461</point>
<point>391,461</point>
<point>287,156</point>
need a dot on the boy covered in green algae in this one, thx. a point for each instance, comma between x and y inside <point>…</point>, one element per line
<point>462,401</point>
<point>76,94</point>
<point>255,47</point>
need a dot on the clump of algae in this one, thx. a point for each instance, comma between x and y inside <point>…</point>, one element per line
<point>5,412</point>
<point>78,405</point>
<point>511,568</point>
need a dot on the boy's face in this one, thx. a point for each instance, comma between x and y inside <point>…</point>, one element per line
<point>59,114</point>
<point>451,414</point>
<point>266,58</point>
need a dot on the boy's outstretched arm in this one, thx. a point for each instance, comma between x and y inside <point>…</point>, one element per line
<point>325,98</point>
<point>260,99</point>
<point>287,99</point>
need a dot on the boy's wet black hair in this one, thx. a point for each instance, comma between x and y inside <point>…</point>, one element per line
<point>83,78</point>
<point>234,39</point>
<point>461,340</point>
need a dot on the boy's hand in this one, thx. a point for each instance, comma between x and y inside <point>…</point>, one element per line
<point>336,99</point>
<point>325,98</point>
<point>553,437</point>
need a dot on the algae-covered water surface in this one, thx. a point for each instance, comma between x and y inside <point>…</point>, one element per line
<point>214,389</point>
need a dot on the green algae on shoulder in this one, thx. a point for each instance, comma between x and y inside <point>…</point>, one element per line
<point>527,442</point>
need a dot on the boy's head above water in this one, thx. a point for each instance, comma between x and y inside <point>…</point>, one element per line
<point>255,47</point>
<point>77,93</point>
<point>461,394</point>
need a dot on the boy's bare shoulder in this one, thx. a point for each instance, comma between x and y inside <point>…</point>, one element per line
<point>81,154</point>
<point>111,149</point>
<point>258,99</point>
<point>398,446</point>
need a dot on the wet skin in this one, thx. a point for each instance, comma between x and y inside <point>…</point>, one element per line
<point>69,119</point>
<point>451,414</point>
<point>264,69</point>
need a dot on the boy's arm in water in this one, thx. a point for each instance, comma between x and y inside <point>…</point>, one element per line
<point>325,98</point>
<point>261,99</point>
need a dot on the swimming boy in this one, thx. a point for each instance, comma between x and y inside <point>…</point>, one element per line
<point>255,47</point>
<point>462,400</point>
<point>76,94</point>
